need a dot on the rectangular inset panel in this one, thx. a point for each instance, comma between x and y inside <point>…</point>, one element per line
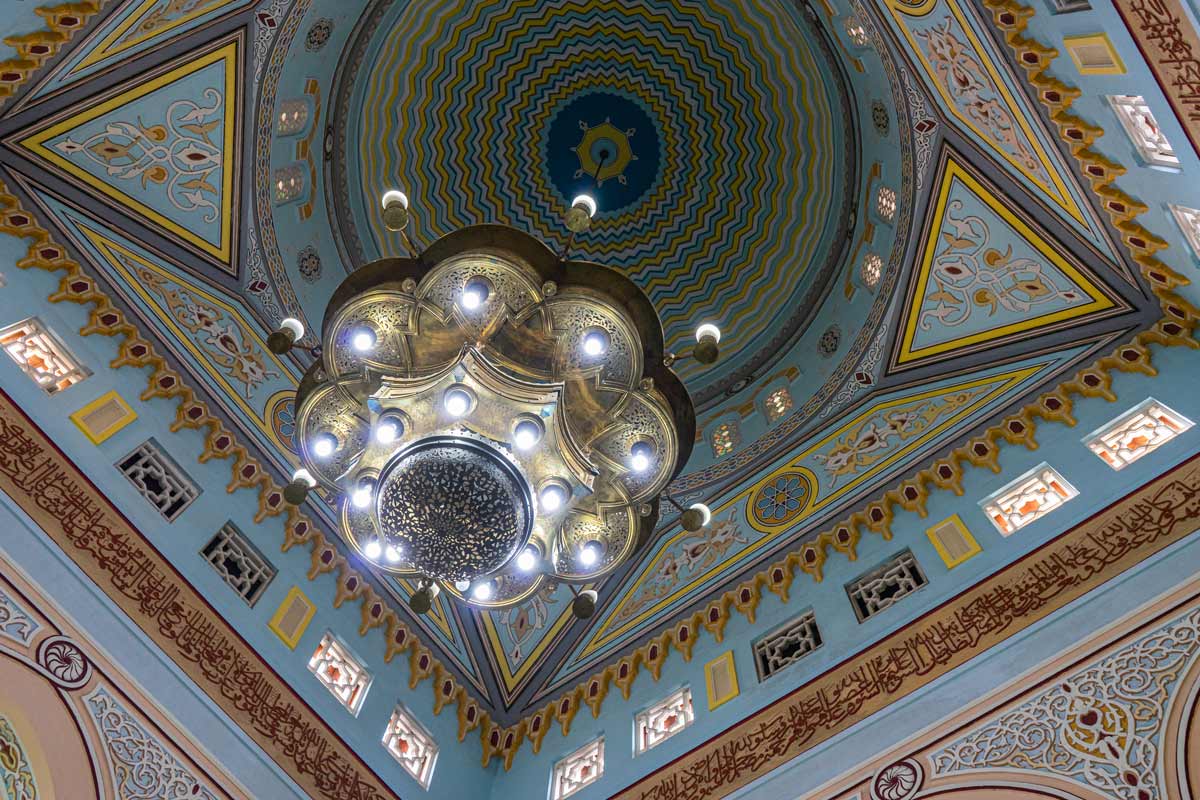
<point>42,356</point>
<point>884,586</point>
<point>720,677</point>
<point>953,541</point>
<point>1142,129</point>
<point>1031,496</point>
<point>103,417</point>
<point>292,617</point>
<point>786,645</point>
<point>1094,55</point>
<point>159,479</point>
<point>1140,430</point>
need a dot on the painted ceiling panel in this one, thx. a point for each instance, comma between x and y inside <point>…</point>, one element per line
<point>135,29</point>
<point>161,147</point>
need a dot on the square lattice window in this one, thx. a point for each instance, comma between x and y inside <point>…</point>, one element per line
<point>1031,496</point>
<point>343,675</point>
<point>885,585</point>
<point>42,356</point>
<point>239,563</point>
<point>725,438</point>
<point>1142,128</point>
<point>1140,430</point>
<point>662,720</point>
<point>159,479</point>
<point>581,768</point>
<point>786,645</point>
<point>411,745</point>
<point>1188,220</point>
<point>885,203</point>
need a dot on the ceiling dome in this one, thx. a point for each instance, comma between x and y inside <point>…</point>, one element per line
<point>716,140</point>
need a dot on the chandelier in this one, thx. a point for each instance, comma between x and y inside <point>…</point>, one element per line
<point>486,414</point>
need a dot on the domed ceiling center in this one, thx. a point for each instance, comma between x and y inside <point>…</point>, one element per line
<point>713,137</point>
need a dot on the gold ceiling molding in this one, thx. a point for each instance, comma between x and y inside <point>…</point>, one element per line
<point>247,472</point>
<point>63,21</point>
<point>1175,328</point>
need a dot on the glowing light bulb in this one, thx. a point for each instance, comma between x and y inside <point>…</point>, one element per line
<point>392,554</point>
<point>471,300</point>
<point>704,511</point>
<point>595,343</point>
<point>589,555</point>
<point>527,560</point>
<point>387,432</point>
<point>373,549</point>
<point>457,402</point>
<point>362,496</point>
<point>526,434</point>
<point>586,202</point>
<point>640,456</point>
<point>708,330</point>
<point>305,476</point>
<point>482,591</point>
<point>394,196</point>
<point>363,340</point>
<point>553,497</point>
<point>462,586</point>
<point>324,444</point>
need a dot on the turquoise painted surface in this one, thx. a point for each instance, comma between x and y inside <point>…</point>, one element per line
<point>678,561</point>
<point>164,149</point>
<point>985,275</point>
<point>19,18</point>
<point>1178,385</point>
<point>458,773</point>
<point>132,31</point>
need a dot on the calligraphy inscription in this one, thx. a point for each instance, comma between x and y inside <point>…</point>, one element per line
<point>1143,523</point>
<point>118,558</point>
<point>1171,47</point>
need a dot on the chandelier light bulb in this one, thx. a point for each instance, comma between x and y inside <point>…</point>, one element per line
<point>362,495</point>
<point>471,299</point>
<point>457,402</point>
<point>373,549</point>
<point>482,591</point>
<point>462,586</point>
<point>289,332</point>
<point>392,554</point>
<point>526,434</point>
<point>304,476</point>
<point>640,456</point>
<point>696,517</point>
<point>553,497</point>
<point>708,331</point>
<point>388,430</point>
<point>595,343</point>
<point>363,340</point>
<point>527,560</point>
<point>586,202</point>
<point>590,554</point>
<point>324,444</point>
<point>394,196</point>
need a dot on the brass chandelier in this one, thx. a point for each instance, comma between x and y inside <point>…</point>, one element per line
<point>487,414</point>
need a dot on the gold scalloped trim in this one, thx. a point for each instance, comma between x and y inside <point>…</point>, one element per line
<point>247,472</point>
<point>34,49</point>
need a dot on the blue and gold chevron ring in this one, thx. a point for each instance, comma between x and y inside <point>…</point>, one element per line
<point>708,133</point>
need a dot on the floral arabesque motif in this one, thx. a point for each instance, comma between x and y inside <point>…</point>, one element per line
<point>142,768</point>
<point>65,662</point>
<point>969,86</point>
<point>970,275</point>
<point>522,621</point>
<point>225,341</point>
<point>1101,727</point>
<point>871,441</point>
<point>283,421</point>
<point>16,775</point>
<point>15,622</point>
<point>683,562</point>
<point>179,153</point>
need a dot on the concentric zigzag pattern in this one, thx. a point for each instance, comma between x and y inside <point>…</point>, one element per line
<point>460,101</point>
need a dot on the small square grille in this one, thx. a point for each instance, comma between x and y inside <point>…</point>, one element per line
<point>239,563</point>
<point>885,585</point>
<point>159,479</point>
<point>786,645</point>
